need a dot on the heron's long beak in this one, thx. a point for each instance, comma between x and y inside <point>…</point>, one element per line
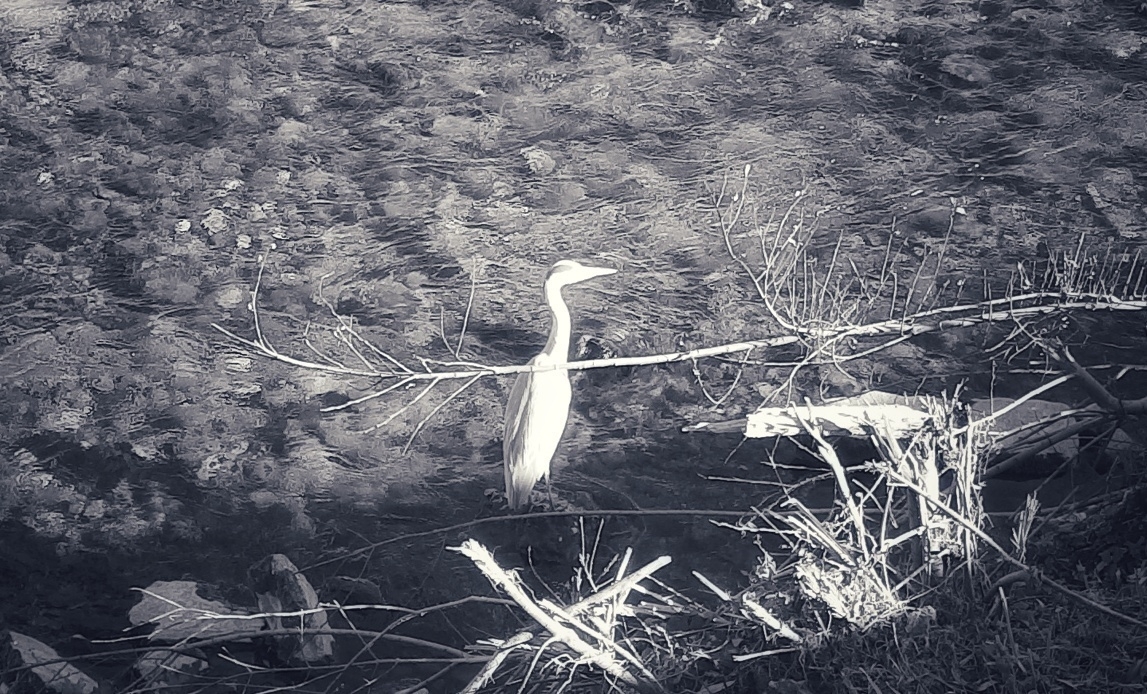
<point>587,272</point>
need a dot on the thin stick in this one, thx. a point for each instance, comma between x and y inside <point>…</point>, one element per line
<point>984,421</point>
<point>349,328</point>
<point>469,306</point>
<point>623,585</point>
<point>366,398</point>
<point>487,672</point>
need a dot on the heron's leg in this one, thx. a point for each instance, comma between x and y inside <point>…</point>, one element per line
<point>550,492</point>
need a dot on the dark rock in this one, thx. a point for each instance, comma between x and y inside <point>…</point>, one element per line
<point>18,651</point>
<point>281,587</point>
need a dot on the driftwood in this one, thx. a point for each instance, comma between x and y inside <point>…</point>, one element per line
<point>563,624</point>
<point>855,417</point>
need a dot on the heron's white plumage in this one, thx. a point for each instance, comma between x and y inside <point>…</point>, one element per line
<point>532,439</point>
<point>539,404</point>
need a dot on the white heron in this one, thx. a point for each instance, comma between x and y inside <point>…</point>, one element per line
<point>540,400</point>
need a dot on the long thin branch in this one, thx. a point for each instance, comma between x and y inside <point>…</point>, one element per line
<point>371,396</point>
<point>905,327</point>
<point>1103,398</point>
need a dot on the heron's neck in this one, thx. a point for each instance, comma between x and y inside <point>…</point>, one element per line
<point>558,346</point>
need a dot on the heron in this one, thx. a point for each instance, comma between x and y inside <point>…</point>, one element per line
<point>539,402</point>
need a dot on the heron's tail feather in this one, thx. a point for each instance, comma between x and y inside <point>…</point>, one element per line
<point>519,484</point>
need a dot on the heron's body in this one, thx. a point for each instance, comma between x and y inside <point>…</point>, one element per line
<point>534,438</point>
<point>539,404</point>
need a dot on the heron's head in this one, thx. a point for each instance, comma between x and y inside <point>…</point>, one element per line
<point>567,272</point>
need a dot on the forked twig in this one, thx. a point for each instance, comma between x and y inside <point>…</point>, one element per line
<point>733,386</point>
<point>425,391</point>
<point>427,418</point>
